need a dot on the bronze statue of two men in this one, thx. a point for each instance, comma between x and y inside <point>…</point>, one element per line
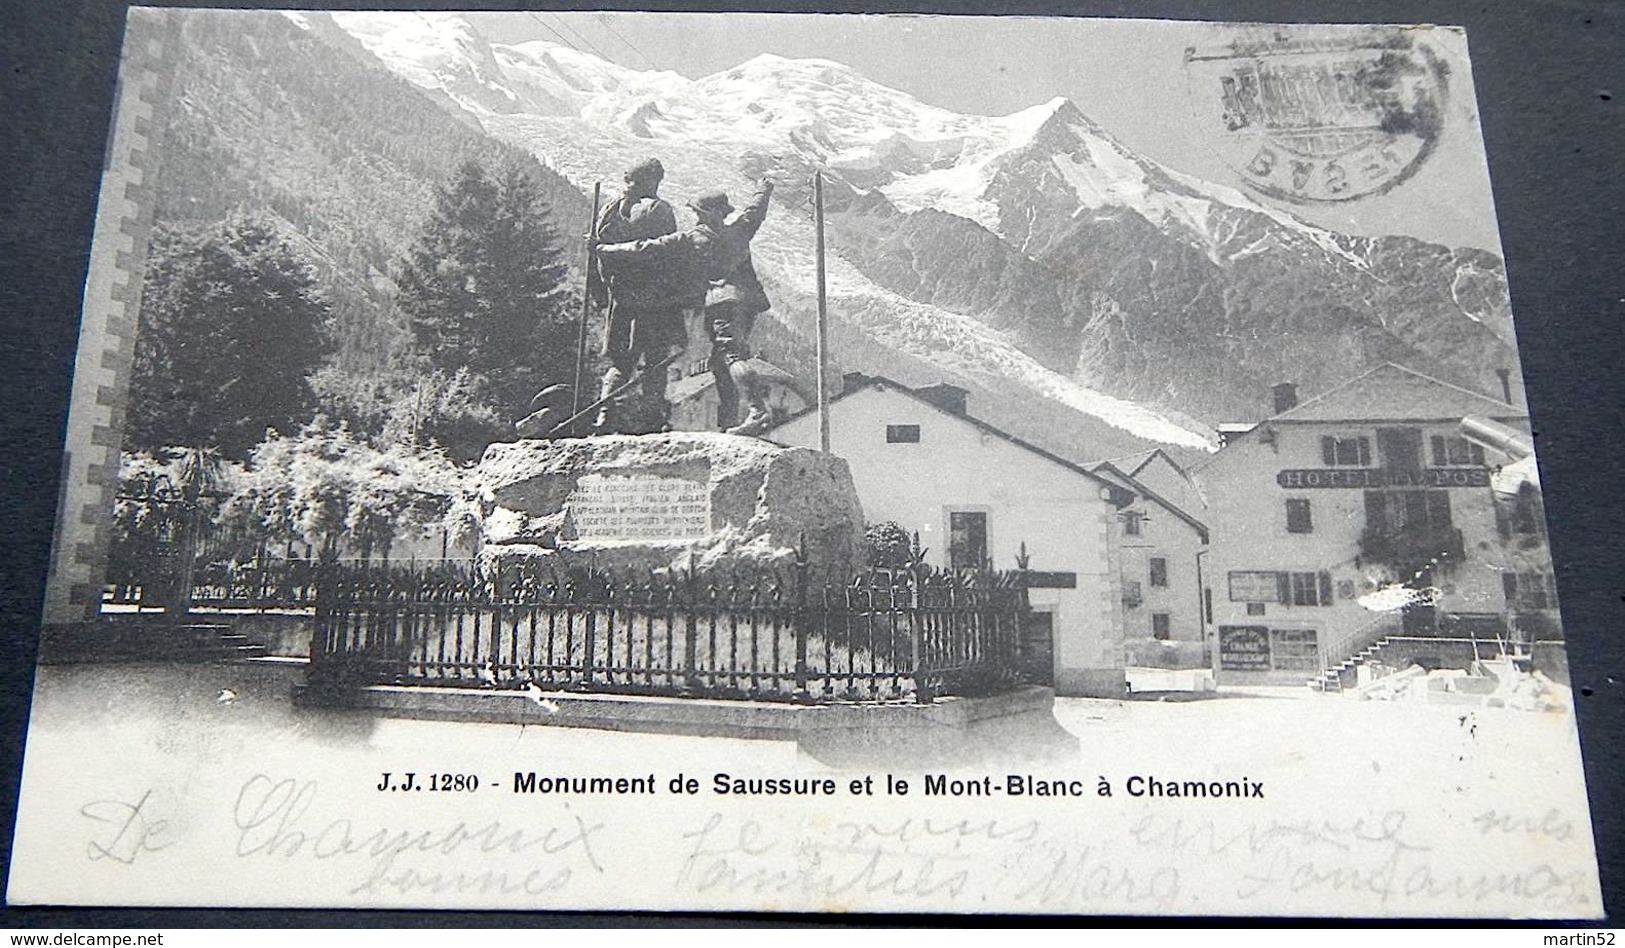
<point>650,274</point>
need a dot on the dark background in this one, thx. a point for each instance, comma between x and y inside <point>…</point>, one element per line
<point>1547,75</point>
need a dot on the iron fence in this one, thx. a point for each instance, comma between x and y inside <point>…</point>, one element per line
<point>885,636</point>
<point>257,585</point>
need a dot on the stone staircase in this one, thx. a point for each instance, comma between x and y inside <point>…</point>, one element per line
<point>211,642</point>
<point>151,637</point>
<point>1466,649</point>
<point>1332,678</point>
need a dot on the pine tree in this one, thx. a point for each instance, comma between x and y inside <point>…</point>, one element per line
<point>483,288</point>
<point>231,326</point>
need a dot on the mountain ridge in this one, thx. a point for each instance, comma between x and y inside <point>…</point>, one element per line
<point>1031,257</point>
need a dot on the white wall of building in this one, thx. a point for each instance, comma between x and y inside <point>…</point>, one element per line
<point>1058,512</point>
<point>1161,536</point>
<point>1247,516</point>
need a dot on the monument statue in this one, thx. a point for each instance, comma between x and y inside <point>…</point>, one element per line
<point>644,303</point>
<point>717,251</point>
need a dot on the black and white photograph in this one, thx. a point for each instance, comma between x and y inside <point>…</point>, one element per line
<point>800,463</point>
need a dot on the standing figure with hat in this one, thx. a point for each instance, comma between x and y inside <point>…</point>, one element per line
<point>717,251</point>
<point>645,304</point>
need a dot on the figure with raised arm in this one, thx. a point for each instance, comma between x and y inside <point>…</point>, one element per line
<point>716,252</point>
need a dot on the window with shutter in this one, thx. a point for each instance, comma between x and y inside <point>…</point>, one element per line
<point>1159,571</point>
<point>1309,589</point>
<point>1298,517</point>
<point>1345,452</point>
<point>1438,509</point>
<point>1455,452</point>
<point>1532,590</point>
<point>1401,448</point>
<point>1376,510</point>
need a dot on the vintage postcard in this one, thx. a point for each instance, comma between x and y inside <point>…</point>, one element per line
<point>800,463</point>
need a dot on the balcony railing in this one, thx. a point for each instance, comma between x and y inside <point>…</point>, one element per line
<point>1409,552</point>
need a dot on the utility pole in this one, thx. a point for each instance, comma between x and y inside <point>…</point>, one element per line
<point>823,316</point>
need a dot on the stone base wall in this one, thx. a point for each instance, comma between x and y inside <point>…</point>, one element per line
<point>1091,682</point>
<point>1018,723</point>
<point>709,502</point>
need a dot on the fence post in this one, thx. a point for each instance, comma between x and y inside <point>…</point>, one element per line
<point>691,627</point>
<point>1019,608</point>
<point>589,637</point>
<point>799,619</point>
<point>923,691</point>
<point>321,629</point>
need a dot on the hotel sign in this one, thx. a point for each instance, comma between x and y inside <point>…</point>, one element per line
<point>1369,477</point>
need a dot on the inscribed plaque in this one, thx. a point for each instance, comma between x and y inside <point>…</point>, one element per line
<point>639,507</point>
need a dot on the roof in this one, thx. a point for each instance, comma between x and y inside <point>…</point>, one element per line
<point>1133,464</point>
<point>1111,470</point>
<point>1121,495</point>
<point>1130,464</point>
<point>1393,392</point>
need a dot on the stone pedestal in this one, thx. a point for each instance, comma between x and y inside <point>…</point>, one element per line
<point>713,502</point>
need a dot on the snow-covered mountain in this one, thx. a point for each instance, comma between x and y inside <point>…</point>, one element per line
<point>1023,255</point>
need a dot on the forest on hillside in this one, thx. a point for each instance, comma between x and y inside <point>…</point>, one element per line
<point>346,284</point>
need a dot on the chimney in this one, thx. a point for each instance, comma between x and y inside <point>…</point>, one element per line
<point>1505,375</point>
<point>852,380</point>
<point>1286,396</point>
<point>949,398</point>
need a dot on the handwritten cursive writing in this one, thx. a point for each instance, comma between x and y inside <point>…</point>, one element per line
<point>269,816</point>
<point>745,856</point>
<point>129,831</point>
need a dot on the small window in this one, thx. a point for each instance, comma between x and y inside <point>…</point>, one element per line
<point>1530,590</point>
<point>1345,452</point>
<point>1131,593</point>
<point>902,434</point>
<point>1298,518</point>
<point>1456,452</point>
<point>1131,522</point>
<point>1159,571</point>
<point>1309,589</point>
<point>1160,625</point>
<point>1255,608</point>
